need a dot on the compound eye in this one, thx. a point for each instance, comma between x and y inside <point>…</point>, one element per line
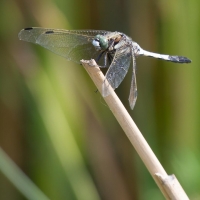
<point>96,42</point>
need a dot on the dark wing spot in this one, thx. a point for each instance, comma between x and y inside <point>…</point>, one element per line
<point>49,32</point>
<point>28,29</point>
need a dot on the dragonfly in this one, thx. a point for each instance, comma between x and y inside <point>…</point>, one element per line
<point>113,50</point>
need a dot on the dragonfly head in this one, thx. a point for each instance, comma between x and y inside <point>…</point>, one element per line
<point>100,42</point>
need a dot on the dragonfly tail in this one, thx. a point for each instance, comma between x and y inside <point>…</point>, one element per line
<point>176,59</point>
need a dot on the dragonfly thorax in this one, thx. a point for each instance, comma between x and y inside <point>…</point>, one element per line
<point>100,42</point>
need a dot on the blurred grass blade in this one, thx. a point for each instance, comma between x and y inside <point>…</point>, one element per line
<point>55,117</point>
<point>19,179</point>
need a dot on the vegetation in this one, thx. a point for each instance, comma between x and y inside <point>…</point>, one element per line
<point>58,129</point>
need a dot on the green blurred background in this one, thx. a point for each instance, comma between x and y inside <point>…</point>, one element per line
<point>61,133</point>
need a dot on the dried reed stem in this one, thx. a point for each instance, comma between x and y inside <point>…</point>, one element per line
<point>169,185</point>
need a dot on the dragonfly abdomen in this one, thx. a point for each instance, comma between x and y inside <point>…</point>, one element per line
<point>176,59</point>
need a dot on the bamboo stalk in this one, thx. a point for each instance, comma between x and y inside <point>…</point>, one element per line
<point>166,184</point>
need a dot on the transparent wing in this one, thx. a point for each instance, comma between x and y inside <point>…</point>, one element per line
<point>118,69</point>
<point>72,44</point>
<point>133,90</point>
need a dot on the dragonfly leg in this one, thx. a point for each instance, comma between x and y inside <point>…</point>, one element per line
<point>104,53</point>
<point>110,58</point>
